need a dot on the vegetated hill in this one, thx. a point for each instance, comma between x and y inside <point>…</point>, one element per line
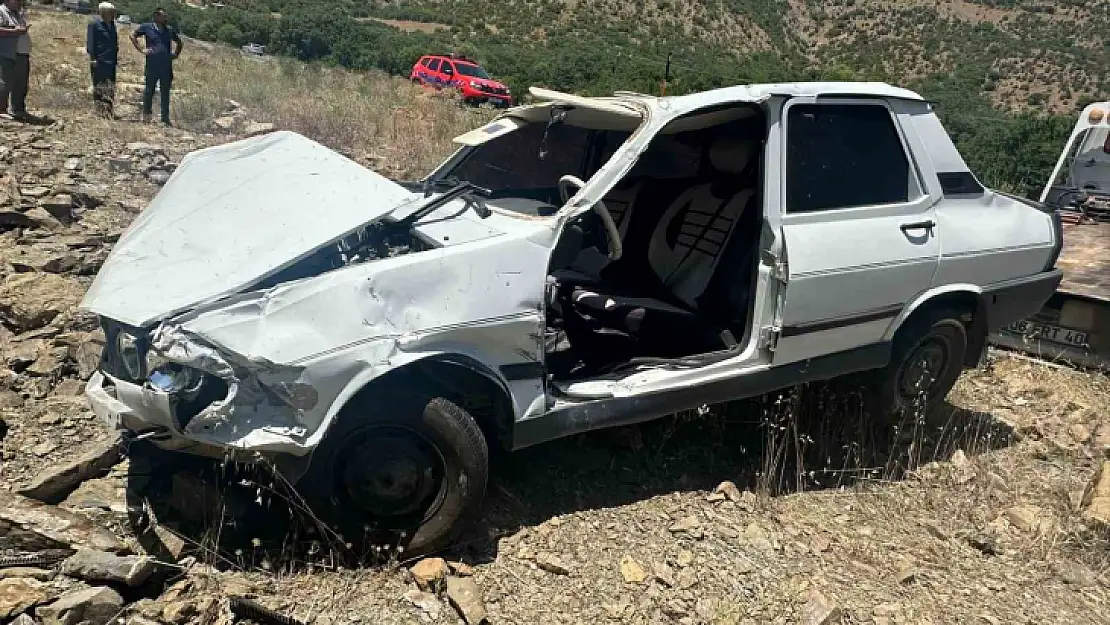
<point>1008,76</point>
<point>975,517</point>
<point>1043,55</point>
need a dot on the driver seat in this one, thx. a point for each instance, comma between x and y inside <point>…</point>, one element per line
<point>683,252</point>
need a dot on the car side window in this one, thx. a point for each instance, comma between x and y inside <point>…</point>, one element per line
<point>434,65</point>
<point>425,62</point>
<point>844,156</point>
<point>447,68</point>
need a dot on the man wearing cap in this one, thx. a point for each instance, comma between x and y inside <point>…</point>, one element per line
<point>102,44</point>
<point>15,59</point>
<point>159,61</point>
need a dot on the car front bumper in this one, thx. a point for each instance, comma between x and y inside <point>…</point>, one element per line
<point>142,412</point>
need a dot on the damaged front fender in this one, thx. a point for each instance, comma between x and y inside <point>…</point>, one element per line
<point>293,355</point>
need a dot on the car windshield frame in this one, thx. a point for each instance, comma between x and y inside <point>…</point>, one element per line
<point>480,73</point>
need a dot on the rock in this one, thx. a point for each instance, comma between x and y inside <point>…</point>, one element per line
<point>72,164</point>
<point>120,165</point>
<point>1026,518</point>
<point>10,400</point>
<point>35,193</point>
<point>180,612</point>
<point>48,364</point>
<point>9,190</point>
<point>688,578</point>
<point>145,149</point>
<point>23,619</point>
<point>29,301</point>
<point>17,595</point>
<point>465,597</point>
<point>429,572</point>
<point>552,564</point>
<point>38,217</point>
<point>959,459</point>
<point>1075,574</point>
<point>36,259</point>
<point>758,537</point>
<point>56,483</point>
<point>631,571</point>
<point>44,448</point>
<point>1095,505</point>
<point>818,610</point>
<point>174,544</point>
<point>1100,440</point>
<point>257,128</point>
<point>70,388</point>
<point>688,525</point>
<point>29,525</point>
<point>616,611</point>
<point>100,566</point>
<point>685,558</point>
<point>425,601</point>
<point>461,569</point>
<point>87,356</point>
<point>1079,433</point>
<point>225,123</point>
<point>158,176</point>
<point>27,572</point>
<point>674,609</point>
<point>664,574</point>
<point>729,490</point>
<point>95,606</point>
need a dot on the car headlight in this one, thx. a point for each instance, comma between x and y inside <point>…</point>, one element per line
<point>171,377</point>
<point>475,84</point>
<point>127,348</point>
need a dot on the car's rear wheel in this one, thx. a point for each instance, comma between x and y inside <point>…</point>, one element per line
<point>926,360</point>
<point>399,469</point>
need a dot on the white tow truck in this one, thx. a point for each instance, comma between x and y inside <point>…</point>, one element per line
<point>1074,325</point>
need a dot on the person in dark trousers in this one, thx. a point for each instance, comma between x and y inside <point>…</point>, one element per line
<point>159,61</point>
<point>15,59</point>
<point>102,44</point>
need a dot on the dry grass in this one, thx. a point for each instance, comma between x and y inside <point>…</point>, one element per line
<point>386,122</point>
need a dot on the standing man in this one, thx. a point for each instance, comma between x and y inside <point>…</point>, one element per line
<point>102,44</point>
<point>159,61</point>
<point>15,59</point>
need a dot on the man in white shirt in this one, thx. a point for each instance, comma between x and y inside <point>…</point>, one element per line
<point>15,59</point>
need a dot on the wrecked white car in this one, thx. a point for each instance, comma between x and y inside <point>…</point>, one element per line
<point>576,264</point>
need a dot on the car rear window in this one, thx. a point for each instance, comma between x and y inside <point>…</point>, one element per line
<point>842,156</point>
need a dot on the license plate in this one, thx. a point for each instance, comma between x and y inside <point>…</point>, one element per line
<point>1047,332</point>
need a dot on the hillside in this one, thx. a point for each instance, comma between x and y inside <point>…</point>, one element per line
<point>790,509</point>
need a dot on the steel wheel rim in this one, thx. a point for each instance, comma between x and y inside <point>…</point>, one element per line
<point>923,369</point>
<point>391,474</point>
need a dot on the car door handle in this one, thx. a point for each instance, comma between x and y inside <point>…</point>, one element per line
<point>919,225</point>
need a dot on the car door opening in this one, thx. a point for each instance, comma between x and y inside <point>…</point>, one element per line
<point>689,216</point>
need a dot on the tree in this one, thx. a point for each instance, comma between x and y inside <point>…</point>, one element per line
<point>230,34</point>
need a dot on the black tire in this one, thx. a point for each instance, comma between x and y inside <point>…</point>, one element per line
<point>372,450</point>
<point>929,350</point>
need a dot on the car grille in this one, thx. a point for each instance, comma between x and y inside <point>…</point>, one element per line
<point>495,90</point>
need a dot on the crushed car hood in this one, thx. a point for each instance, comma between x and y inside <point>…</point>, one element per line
<point>230,216</point>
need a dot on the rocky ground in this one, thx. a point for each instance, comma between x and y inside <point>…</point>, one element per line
<point>790,509</point>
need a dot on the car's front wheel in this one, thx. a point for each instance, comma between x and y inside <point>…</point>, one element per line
<point>399,469</point>
<point>926,359</point>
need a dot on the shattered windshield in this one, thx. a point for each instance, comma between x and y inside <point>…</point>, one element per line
<point>528,162</point>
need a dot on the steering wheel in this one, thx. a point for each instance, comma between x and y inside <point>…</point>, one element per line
<point>611,231</point>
